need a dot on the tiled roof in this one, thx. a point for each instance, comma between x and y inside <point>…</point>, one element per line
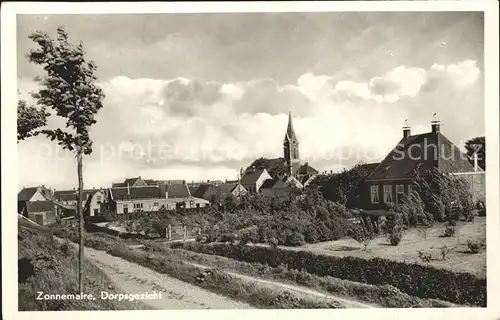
<point>227,187</point>
<point>177,190</point>
<point>149,192</point>
<point>274,184</point>
<point>40,206</point>
<point>423,155</point>
<point>251,177</point>
<point>70,195</point>
<point>205,190</point>
<point>27,193</point>
<point>306,169</point>
<point>193,189</point>
<point>369,167</point>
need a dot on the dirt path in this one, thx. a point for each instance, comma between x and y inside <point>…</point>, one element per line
<point>305,292</point>
<point>129,277</point>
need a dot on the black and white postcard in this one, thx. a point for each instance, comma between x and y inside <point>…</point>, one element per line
<point>305,158</point>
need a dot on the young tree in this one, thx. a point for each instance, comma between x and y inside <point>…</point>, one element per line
<point>364,232</point>
<point>68,88</point>
<point>29,120</point>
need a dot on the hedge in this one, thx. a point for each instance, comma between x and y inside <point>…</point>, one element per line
<point>414,279</point>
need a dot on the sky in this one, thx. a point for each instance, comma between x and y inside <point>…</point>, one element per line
<point>198,96</point>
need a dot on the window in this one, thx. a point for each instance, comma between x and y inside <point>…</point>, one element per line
<point>374,194</point>
<point>125,208</point>
<point>138,206</point>
<point>98,199</point>
<point>156,204</point>
<point>388,193</point>
<point>400,191</point>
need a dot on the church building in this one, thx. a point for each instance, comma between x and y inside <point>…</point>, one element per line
<point>287,169</point>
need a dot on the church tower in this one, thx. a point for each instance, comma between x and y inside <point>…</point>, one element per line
<point>291,148</point>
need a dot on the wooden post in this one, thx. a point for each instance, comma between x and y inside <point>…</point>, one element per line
<point>185,233</point>
<point>169,234</point>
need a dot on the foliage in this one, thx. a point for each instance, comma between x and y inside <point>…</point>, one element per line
<point>424,256</point>
<point>414,279</point>
<point>348,187</point>
<point>477,145</point>
<point>363,233</point>
<point>449,232</point>
<point>446,197</point>
<point>68,88</point>
<point>29,120</point>
<point>476,246</point>
<point>444,251</point>
<point>411,209</point>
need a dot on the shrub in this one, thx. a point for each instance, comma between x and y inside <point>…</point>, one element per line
<point>444,251</point>
<point>424,256</point>
<point>414,279</point>
<point>449,232</point>
<point>395,237</point>
<point>363,233</point>
<point>476,246</point>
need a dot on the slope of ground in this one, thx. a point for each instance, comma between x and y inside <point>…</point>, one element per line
<point>459,258</point>
<point>131,277</point>
<point>45,266</point>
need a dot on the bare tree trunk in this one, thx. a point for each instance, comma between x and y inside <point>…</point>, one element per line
<point>80,215</point>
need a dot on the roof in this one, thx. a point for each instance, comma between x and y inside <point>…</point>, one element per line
<point>251,177</point>
<point>306,169</point>
<point>177,190</point>
<point>274,184</point>
<point>149,192</point>
<point>70,195</point>
<point>40,206</point>
<point>193,189</point>
<point>131,182</point>
<point>406,158</point>
<point>205,190</point>
<point>227,187</point>
<point>27,193</point>
<point>290,132</point>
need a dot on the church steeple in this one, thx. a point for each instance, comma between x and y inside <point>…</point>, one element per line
<point>290,132</point>
<point>291,148</point>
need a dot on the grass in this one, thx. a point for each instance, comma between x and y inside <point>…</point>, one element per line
<point>386,296</point>
<point>56,272</point>
<point>459,259</point>
<point>215,280</point>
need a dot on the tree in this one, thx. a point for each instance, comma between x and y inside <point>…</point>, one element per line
<point>29,120</point>
<point>477,145</point>
<point>68,88</point>
<point>363,232</point>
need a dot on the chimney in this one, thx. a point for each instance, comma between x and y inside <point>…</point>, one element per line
<point>435,124</point>
<point>128,188</point>
<point>406,130</point>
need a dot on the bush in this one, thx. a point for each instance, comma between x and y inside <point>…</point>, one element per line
<point>414,279</point>
<point>363,233</point>
<point>444,251</point>
<point>449,232</point>
<point>476,246</point>
<point>395,237</point>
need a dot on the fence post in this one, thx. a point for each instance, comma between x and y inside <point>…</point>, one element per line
<point>169,234</point>
<point>185,233</point>
<point>199,231</point>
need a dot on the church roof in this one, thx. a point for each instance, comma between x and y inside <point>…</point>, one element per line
<point>290,132</point>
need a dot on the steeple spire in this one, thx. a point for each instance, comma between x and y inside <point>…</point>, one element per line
<point>290,132</point>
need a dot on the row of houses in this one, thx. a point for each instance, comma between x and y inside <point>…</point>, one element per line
<point>387,181</point>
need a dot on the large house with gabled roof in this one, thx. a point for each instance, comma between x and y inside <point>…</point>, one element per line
<point>414,154</point>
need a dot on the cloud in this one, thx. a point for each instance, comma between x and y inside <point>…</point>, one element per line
<point>198,129</point>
